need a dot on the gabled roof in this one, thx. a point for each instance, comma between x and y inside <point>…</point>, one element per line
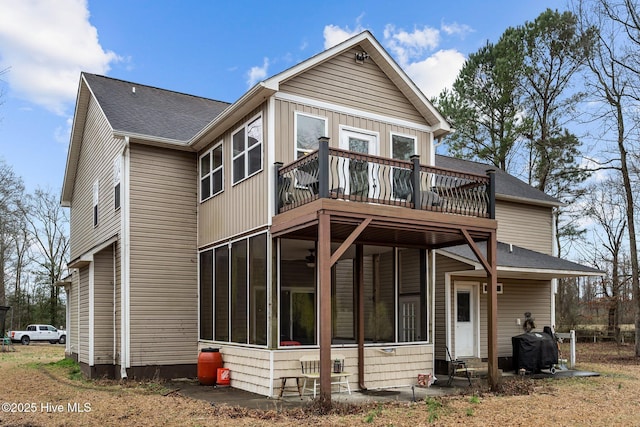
<point>141,112</point>
<point>508,187</point>
<point>514,261</point>
<point>135,109</point>
<point>255,96</point>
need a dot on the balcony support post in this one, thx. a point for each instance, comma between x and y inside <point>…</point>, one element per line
<point>491,207</point>
<point>415,181</point>
<point>323,167</point>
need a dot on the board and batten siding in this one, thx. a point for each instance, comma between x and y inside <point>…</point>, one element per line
<point>103,313</point>
<point>99,150</point>
<point>286,141</point>
<point>239,207</point>
<point>527,226</point>
<point>163,271</point>
<point>363,86</point>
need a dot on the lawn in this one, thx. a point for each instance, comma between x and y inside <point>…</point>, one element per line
<point>39,388</point>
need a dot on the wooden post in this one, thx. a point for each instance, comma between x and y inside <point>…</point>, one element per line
<point>415,181</point>
<point>277,166</point>
<point>491,208</point>
<point>324,285</point>
<point>359,279</point>
<point>492,312</point>
<point>323,167</point>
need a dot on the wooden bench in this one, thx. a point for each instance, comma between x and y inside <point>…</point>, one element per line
<point>310,370</point>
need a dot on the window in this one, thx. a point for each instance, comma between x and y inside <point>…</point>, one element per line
<point>211,172</point>
<point>402,148</point>
<point>95,203</point>
<point>206,295</point>
<point>308,130</point>
<point>233,280</point>
<point>116,183</point>
<point>247,150</point>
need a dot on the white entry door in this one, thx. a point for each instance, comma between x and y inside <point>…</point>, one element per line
<point>360,177</point>
<point>465,317</point>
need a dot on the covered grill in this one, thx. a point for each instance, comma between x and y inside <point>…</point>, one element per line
<point>534,351</point>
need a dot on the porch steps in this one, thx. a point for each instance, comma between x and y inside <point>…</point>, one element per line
<point>477,368</point>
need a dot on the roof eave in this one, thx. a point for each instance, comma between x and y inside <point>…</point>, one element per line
<point>529,201</point>
<point>156,141</point>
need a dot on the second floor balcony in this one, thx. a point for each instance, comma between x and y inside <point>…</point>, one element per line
<point>346,175</point>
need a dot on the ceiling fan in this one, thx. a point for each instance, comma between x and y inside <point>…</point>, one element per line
<point>311,258</point>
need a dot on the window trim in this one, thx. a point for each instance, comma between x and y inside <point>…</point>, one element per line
<point>211,171</point>
<point>296,114</point>
<point>246,150</point>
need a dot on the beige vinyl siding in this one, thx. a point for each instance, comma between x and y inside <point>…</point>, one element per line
<point>99,149</point>
<point>240,207</point>
<point>443,265</point>
<point>516,299</point>
<point>525,225</point>
<point>343,324</point>
<point>163,271</point>
<point>72,307</point>
<point>83,316</point>
<point>343,81</point>
<point>286,140</point>
<point>250,367</point>
<point>103,307</point>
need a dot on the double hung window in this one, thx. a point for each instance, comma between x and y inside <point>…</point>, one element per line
<point>211,172</point>
<point>247,150</point>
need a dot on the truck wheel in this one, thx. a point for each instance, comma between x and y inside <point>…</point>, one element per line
<point>63,339</point>
<point>25,340</point>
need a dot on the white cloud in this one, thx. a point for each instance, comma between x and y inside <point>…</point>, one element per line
<point>408,46</point>
<point>436,72</point>
<point>257,74</point>
<point>47,44</point>
<point>334,35</point>
<point>456,29</point>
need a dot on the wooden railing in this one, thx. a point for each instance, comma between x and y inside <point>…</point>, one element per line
<point>347,175</point>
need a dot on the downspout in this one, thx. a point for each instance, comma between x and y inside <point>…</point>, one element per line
<point>554,282</point>
<point>115,348</point>
<point>125,250</point>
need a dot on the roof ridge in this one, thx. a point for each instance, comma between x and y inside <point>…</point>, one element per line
<point>84,73</point>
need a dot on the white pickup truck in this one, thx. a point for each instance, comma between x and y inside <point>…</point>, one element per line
<point>39,333</point>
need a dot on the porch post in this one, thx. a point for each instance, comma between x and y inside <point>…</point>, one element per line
<point>324,285</point>
<point>323,167</point>
<point>492,311</point>
<point>491,208</point>
<point>415,181</point>
<point>359,276</point>
<point>276,170</point>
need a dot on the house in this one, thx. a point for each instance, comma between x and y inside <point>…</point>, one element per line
<point>311,214</point>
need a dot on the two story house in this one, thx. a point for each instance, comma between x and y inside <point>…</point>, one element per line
<point>311,215</point>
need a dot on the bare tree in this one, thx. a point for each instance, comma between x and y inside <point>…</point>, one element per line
<point>604,208</point>
<point>49,224</point>
<point>11,213</point>
<point>615,82</point>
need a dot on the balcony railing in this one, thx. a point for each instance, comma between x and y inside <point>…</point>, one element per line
<point>347,175</point>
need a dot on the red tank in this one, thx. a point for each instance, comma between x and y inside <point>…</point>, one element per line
<point>209,361</point>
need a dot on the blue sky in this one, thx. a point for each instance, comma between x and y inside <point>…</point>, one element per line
<point>212,49</point>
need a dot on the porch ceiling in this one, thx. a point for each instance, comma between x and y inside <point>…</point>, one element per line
<point>390,225</point>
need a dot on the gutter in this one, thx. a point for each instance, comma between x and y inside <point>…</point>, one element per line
<point>125,251</point>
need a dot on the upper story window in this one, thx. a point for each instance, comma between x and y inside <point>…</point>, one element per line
<point>96,191</point>
<point>308,130</point>
<point>211,172</point>
<point>247,150</point>
<point>116,183</point>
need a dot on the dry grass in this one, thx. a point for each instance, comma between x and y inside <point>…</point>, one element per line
<point>29,377</point>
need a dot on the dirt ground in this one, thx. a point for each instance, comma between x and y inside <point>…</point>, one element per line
<point>37,389</point>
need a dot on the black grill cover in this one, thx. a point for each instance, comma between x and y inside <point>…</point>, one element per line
<point>534,351</point>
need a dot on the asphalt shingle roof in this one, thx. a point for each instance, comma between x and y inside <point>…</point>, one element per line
<point>506,185</point>
<point>517,257</point>
<point>151,111</point>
